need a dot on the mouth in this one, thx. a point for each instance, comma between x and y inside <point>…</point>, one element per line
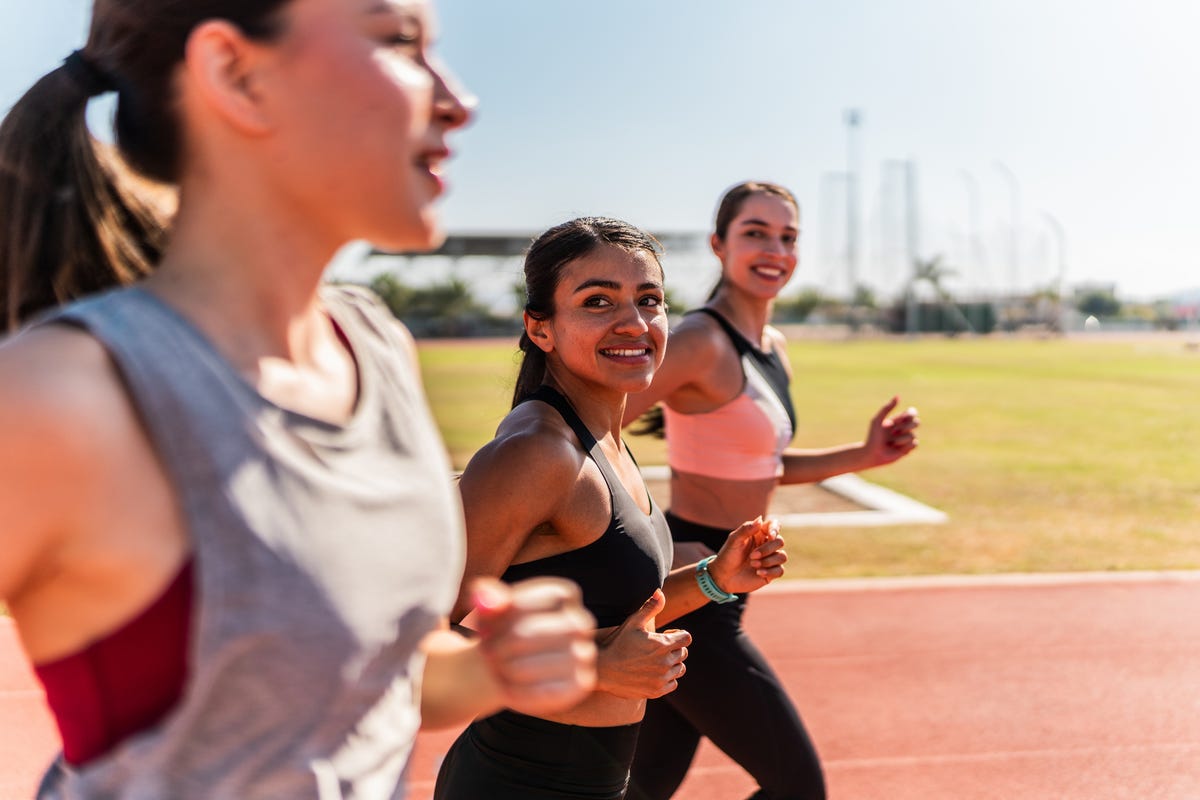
<point>431,162</point>
<point>769,271</point>
<point>625,353</point>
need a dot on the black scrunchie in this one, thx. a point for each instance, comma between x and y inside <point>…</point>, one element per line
<point>87,76</point>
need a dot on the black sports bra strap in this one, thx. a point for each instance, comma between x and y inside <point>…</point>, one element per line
<point>552,397</point>
<point>740,342</point>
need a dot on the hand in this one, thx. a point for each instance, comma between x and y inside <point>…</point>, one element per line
<point>751,557</point>
<point>537,641</point>
<point>635,661</point>
<point>891,439</point>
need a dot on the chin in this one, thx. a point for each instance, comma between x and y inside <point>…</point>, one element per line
<point>422,237</point>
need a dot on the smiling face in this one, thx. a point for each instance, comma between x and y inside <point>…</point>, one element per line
<point>609,325</point>
<point>759,251</point>
<point>363,108</point>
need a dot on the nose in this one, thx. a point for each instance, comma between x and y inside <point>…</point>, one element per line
<point>453,105</point>
<point>776,247</point>
<point>630,320</point>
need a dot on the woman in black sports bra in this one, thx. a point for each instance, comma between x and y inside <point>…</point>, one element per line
<point>557,493</point>
<point>724,387</point>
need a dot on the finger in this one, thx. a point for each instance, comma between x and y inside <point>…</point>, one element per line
<point>675,638</point>
<point>643,618</point>
<point>766,548</point>
<point>771,561</point>
<point>491,600</point>
<point>545,593</point>
<point>882,413</point>
<point>770,574</point>
<point>523,634</point>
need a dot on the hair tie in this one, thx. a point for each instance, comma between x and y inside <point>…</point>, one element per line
<point>87,76</point>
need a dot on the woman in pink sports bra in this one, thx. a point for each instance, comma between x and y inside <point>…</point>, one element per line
<point>729,420</point>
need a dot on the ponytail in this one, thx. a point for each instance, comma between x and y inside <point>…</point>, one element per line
<point>75,217</point>
<point>532,372</point>
<point>72,220</point>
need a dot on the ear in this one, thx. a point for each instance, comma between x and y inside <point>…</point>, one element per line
<point>225,69</point>
<point>539,332</point>
<point>718,246</point>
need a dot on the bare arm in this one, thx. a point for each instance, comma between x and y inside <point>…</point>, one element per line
<point>514,485</point>
<point>38,455</point>
<point>888,440</point>
<point>751,557</point>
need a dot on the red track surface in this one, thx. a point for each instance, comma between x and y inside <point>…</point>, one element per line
<point>1056,689</point>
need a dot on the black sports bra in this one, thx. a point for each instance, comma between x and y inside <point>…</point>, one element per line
<point>620,570</point>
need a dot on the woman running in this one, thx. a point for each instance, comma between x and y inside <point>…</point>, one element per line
<point>230,542</point>
<point>729,420</point>
<point>557,493</point>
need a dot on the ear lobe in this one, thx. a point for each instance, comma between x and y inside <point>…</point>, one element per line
<point>222,65</point>
<point>539,332</point>
<point>718,247</point>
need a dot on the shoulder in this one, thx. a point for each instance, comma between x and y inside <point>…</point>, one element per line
<point>778,341</point>
<point>63,412</point>
<point>370,309</point>
<point>56,374</point>
<point>699,332</point>
<point>696,344</point>
<point>534,453</point>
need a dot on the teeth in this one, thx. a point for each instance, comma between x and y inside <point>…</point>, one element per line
<point>624,353</point>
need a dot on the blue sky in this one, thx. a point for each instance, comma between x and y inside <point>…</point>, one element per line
<point>648,109</point>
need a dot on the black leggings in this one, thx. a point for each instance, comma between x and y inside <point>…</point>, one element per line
<point>731,695</point>
<point>511,756</point>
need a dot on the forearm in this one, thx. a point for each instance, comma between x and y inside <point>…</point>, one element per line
<point>811,466</point>
<point>457,685</point>
<point>683,594</point>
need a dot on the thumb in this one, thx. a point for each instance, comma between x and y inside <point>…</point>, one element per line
<point>490,599</point>
<point>644,617</point>
<point>888,407</point>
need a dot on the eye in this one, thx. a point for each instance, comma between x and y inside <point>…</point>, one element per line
<point>790,240</point>
<point>402,41</point>
<point>403,34</point>
<point>597,301</point>
<point>653,301</point>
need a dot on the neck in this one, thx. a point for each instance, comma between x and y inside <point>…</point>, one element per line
<point>748,314</point>
<point>600,408</point>
<point>246,273</point>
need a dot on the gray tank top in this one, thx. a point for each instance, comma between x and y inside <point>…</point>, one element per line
<point>323,554</point>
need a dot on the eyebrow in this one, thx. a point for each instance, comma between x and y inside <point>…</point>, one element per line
<point>381,7</point>
<point>601,283</point>
<point>765,224</point>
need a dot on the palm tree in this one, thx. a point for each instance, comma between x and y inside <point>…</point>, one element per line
<point>932,272</point>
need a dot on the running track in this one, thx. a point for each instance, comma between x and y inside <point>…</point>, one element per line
<point>1042,688</point>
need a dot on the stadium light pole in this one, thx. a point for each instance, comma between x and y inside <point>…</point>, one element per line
<point>1014,189</point>
<point>1060,236</point>
<point>853,119</point>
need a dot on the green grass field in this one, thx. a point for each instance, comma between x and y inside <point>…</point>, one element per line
<point>1048,455</point>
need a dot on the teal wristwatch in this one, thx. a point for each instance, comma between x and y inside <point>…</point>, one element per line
<point>708,586</point>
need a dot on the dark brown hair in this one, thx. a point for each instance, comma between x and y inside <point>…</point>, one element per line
<point>76,216</point>
<point>545,261</point>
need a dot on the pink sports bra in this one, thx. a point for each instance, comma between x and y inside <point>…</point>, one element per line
<point>744,439</point>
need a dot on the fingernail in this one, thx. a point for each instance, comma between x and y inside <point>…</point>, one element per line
<point>488,597</point>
